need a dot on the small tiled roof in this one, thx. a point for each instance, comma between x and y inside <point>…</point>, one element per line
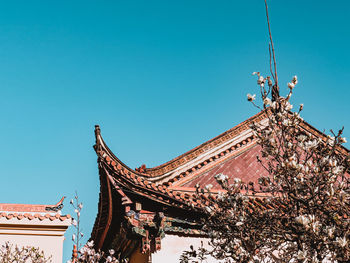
<point>31,216</point>
<point>33,211</point>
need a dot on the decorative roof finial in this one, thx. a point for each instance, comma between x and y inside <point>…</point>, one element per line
<point>74,254</point>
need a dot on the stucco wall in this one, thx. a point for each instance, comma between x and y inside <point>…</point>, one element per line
<point>45,234</point>
<point>173,246</point>
<point>51,246</point>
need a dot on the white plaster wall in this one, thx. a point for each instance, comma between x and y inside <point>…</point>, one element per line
<point>45,234</point>
<point>173,246</point>
<point>51,245</point>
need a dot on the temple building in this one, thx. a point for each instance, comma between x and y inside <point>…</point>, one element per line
<point>39,226</point>
<point>152,214</point>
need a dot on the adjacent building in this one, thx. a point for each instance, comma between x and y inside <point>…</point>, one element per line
<point>41,226</point>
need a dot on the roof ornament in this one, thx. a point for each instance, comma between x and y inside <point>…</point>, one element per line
<point>57,207</point>
<point>97,145</point>
<point>141,169</point>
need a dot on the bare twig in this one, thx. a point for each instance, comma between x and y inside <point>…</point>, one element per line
<point>270,56</point>
<point>275,91</point>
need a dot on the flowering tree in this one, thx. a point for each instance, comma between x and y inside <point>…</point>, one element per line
<point>78,235</point>
<point>87,253</point>
<point>301,211</point>
<point>28,254</point>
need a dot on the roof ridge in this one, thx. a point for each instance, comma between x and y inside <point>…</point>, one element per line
<point>154,171</point>
<point>39,208</point>
<point>102,149</point>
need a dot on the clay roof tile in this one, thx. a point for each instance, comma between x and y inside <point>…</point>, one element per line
<point>62,218</point>
<point>20,216</point>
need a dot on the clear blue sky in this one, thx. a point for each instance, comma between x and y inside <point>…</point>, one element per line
<point>160,77</point>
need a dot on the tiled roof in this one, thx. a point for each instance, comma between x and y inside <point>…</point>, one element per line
<point>31,207</point>
<point>31,216</point>
<point>154,174</point>
<point>179,189</point>
<point>243,165</point>
<point>232,153</point>
<point>145,187</point>
<point>171,186</point>
<point>205,147</point>
<point>222,162</point>
<point>31,211</point>
<point>181,196</point>
<point>171,192</point>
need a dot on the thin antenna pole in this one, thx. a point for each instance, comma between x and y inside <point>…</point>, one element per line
<point>275,88</point>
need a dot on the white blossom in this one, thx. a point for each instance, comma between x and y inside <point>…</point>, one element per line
<point>251,97</point>
<point>330,231</point>
<point>221,196</point>
<point>291,85</point>
<point>310,144</point>
<point>315,226</point>
<point>239,223</point>
<point>285,122</point>
<point>267,101</point>
<point>288,106</point>
<point>237,180</point>
<point>337,169</point>
<point>90,243</point>
<point>302,254</point>
<point>342,140</point>
<point>332,162</point>
<point>261,80</point>
<point>295,80</point>
<point>341,241</point>
<point>330,140</point>
<point>274,105</point>
<point>208,187</point>
<point>303,220</point>
<point>315,259</point>
<point>209,209</point>
<point>221,177</point>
